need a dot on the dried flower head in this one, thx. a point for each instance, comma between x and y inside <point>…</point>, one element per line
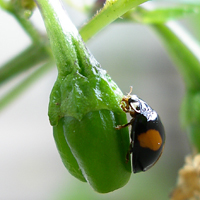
<point>188,185</point>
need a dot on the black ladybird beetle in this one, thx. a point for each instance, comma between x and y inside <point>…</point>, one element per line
<point>147,133</point>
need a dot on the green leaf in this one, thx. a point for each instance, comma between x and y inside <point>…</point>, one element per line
<point>194,2</point>
<point>158,13</point>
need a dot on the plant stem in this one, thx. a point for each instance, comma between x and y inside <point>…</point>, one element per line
<point>5,5</point>
<point>29,28</point>
<point>111,11</point>
<point>17,90</point>
<point>185,51</point>
<point>33,55</point>
<point>11,7</point>
<point>63,35</point>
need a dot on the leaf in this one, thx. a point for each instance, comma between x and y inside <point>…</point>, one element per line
<point>194,2</point>
<point>154,12</point>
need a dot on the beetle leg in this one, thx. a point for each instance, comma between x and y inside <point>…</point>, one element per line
<point>118,127</point>
<point>127,157</point>
<point>125,108</point>
<point>130,151</point>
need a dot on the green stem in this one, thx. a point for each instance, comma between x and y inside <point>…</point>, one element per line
<point>33,55</point>
<point>185,51</point>
<point>77,7</point>
<point>63,35</point>
<point>25,23</point>
<point>17,90</point>
<point>4,5</point>
<point>112,10</point>
<point>29,28</point>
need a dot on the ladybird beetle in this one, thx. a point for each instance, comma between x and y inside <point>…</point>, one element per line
<point>147,133</point>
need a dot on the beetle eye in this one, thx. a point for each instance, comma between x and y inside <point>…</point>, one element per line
<point>137,108</point>
<point>130,100</point>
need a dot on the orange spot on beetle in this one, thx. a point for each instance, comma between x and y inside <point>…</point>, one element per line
<point>150,139</point>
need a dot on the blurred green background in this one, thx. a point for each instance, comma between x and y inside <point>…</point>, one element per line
<point>30,166</point>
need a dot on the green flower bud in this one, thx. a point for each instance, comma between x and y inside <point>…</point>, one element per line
<point>84,108</point>
<point>99,150</point>
<point>65,152</point>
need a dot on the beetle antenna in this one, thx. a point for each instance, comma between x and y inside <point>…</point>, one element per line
<point>131,88</point>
